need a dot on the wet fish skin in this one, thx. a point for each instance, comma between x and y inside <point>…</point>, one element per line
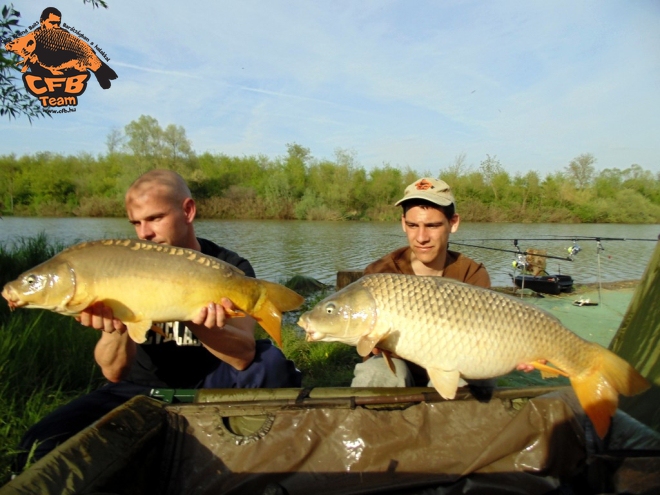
<point>457,330</point>
<point>145,282</point>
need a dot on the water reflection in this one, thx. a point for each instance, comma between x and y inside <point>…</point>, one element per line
<point>279,250</point>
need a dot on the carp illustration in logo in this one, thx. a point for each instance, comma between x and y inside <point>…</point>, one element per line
<point>51,50</point>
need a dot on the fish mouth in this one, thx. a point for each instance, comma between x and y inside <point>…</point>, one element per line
<point>310,335</point>
<point>13,301</point>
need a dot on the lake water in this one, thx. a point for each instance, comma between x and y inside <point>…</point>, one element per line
<point>280,249</point>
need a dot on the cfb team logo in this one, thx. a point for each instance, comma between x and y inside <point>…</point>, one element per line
<point>58,62</point>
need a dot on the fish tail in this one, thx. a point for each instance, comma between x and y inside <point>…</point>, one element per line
<point>104,74</point>
<point>277,300</point>
<point>270,319</point>
<point>282,297</point>
<point>599,386</point>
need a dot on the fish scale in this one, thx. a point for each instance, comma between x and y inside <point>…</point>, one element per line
<point>463,329</point>
<point>59,40</point>
<point>457,330</point>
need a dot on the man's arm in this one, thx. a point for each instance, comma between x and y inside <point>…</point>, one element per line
<point>115,350</point>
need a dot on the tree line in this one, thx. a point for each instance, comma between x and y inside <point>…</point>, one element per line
<point>299,186</point>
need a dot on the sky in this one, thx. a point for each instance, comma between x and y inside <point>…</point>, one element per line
<point>402,83</point>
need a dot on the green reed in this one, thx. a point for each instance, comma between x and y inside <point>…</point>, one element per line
<point>47,360</point>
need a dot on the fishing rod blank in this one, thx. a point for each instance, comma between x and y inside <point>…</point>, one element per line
<point>572,238</point>
<point>509,251</point>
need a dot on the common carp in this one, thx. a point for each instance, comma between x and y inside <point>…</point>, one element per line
<point>457,330</point>
<point>57,50</point>
<point>145,282</point>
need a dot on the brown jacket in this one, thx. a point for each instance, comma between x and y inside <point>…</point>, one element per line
<point>457,267</point>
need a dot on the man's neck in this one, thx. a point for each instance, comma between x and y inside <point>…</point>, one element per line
<point>191,242</point>
<point>434,269</point>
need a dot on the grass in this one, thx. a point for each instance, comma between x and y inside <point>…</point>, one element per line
<point>47,360</point>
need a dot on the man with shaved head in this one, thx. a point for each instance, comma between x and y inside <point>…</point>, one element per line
<point>211,351</point>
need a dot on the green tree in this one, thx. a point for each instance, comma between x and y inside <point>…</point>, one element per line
<point>385,185</point>
<point>177,149</point>
<point>114,141</point>
<point>9,169</point>
<point>528,188</point>
<point>154,147</point>
<point>607,183</point>
<point>452,174</point>
<point>494,175</point>
<point>581,170</point>
<point>144,140</point>
<point>296,163</point>
<point>642,181</point>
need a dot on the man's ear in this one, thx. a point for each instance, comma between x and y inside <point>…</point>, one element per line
<point>454,222</point>
<point>189,209</point>
<point>403,222</point>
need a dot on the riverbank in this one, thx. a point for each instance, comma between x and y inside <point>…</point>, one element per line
<point>593,314</point>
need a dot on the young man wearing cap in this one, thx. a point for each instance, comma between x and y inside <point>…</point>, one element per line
<point>429,216</point>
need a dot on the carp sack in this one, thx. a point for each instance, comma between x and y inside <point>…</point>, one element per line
<point>145,282</point>
<point>457,330</point>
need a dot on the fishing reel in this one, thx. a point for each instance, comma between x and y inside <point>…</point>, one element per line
<point>520,263</point>
<point>573,250</point>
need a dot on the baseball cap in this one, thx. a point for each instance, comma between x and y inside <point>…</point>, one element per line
<point>434,190</point>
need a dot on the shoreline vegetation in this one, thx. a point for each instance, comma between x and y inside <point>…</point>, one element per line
<point>302,187</point>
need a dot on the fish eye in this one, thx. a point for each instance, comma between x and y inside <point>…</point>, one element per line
<point>330,308</point>
<point>31,279</point>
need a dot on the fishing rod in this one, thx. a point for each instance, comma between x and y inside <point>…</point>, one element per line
<point>521,262</point>
<point>517,251</point>
<point>572,238</point>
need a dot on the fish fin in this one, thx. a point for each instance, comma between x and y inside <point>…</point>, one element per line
<point>387,355</point>
<point>445,382</point>
<point>104,74</point>
<point>235,313</point>
<point>548,371</point>
<point>283,298</point>
<point>137,330</point>
<point>599,386</point>
<point>158,329</point>
<point>270,319</point>
<point>366,344</point>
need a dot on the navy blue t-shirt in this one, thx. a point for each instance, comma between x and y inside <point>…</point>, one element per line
<point>179,360</point>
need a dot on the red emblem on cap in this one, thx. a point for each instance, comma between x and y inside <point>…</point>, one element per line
<point>423,185</point>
